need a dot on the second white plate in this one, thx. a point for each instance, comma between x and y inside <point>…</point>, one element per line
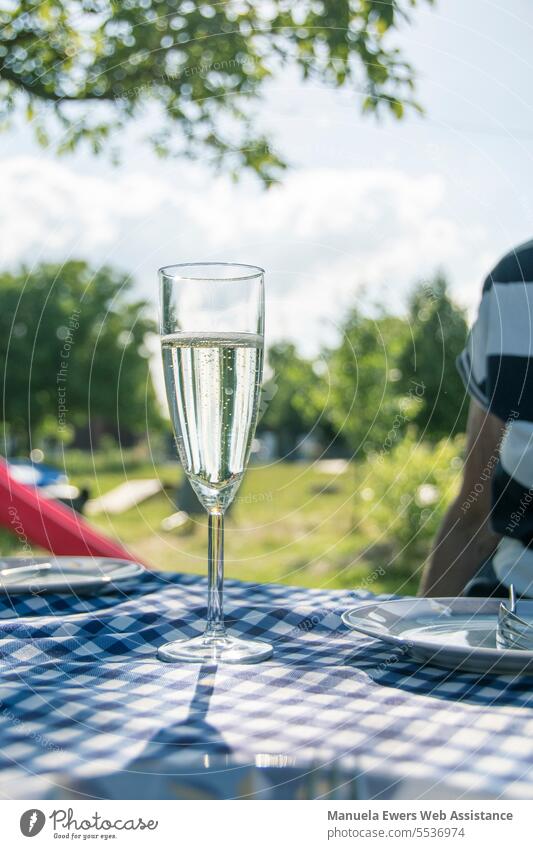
<point>64,574</point>
<point>455,633</point>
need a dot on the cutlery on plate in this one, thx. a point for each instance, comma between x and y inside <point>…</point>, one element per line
<point>29,568</point>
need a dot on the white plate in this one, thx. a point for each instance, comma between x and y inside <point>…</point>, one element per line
<point>65,574</point>
<point>456,633</point>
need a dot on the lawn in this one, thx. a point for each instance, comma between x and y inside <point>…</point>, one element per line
<point>270,534</point>
<point>368,526</point>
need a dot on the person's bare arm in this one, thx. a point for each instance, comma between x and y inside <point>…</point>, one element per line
<point>465,538</point>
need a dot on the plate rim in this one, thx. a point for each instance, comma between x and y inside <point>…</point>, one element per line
<point>61,585</point>
<point>434,648</point>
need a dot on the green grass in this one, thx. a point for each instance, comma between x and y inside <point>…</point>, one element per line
<point>292,523</point>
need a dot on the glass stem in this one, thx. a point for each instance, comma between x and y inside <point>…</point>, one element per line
<point>215,556</point>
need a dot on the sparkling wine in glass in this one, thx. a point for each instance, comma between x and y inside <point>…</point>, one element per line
<point>212,341</point>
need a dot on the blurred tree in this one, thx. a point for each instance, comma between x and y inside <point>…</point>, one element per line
<point>363,401</point>
<point>201,64</point>
<point>438,330</point>
<point>292,401</point>
<point>73,348</point>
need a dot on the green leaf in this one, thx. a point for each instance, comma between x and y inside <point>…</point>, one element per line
<point>203,66</point>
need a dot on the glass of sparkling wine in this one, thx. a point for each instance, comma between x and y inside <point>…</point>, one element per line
<point>212,340</point>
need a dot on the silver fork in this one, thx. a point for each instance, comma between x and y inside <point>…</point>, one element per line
<point>513,631</point>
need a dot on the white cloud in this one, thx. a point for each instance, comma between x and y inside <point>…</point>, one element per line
<point>322,234</point>
<point>50,209</point>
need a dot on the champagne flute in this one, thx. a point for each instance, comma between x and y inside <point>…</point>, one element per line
<point>212,341</point>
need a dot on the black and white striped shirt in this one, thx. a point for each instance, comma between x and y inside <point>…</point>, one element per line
<point>497,369</point>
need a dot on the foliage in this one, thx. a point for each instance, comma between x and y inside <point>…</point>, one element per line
<point>362,397</point>
<point>73,348</point>
<point>389,372</point>
<point>291,397</point>
<point>202,64</point>
<point>404,496</point>
<point>438,330</point>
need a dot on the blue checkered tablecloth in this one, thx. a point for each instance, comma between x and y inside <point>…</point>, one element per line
<point>86,709</point>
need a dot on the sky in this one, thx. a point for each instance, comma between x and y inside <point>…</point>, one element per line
<point>365,210</point>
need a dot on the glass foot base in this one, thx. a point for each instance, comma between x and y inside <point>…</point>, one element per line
<point>225,649</point>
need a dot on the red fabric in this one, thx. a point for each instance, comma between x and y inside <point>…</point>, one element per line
<point>51,525</point>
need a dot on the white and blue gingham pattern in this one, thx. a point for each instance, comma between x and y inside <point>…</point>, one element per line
<point>85,707</point>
